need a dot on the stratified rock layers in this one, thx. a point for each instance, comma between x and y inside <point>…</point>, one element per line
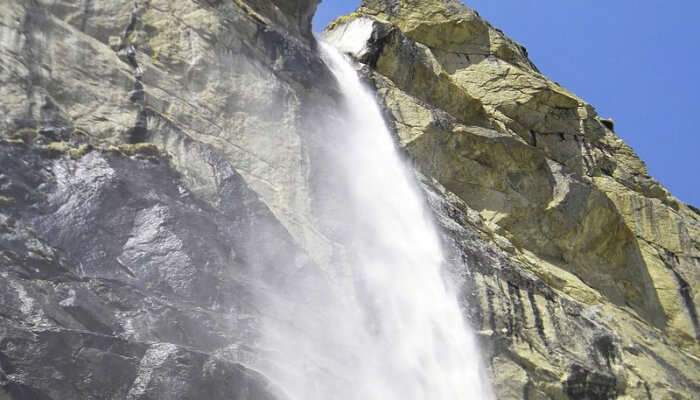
<point>158,157</point>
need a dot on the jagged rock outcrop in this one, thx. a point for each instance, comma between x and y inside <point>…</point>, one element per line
<point>160,169</point>
<point>555,189</point>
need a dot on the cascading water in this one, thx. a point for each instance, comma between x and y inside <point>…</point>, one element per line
<point>393,330</point>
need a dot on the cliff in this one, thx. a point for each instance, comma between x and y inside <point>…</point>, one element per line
<point>605,301</point>
<point>145,145</point>
<point>161,167</point>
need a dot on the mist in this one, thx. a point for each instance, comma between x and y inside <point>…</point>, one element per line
<point>380,320</point>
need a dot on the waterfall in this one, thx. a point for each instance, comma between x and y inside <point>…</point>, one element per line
<point>393,330</point>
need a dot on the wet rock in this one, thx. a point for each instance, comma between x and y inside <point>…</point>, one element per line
<point>161,167</point>
<point>589,385</point>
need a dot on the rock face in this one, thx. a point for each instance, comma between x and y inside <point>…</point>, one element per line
<point>161,160</point>
<point>146,148</point>
<point>600,297</point>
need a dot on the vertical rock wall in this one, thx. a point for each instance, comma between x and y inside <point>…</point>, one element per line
<point>597,283</point>
<point>161,172</point>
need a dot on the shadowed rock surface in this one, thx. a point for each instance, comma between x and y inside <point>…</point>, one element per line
<point>161,172</point>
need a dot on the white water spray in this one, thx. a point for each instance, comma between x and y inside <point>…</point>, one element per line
<point>393,330</point>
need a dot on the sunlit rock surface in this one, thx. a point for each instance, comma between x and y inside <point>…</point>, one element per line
<point>551,185</point>
<point>157,157</point>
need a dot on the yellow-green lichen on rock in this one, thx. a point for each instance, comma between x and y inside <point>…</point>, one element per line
<point>577,270</point>
<point>544,172</point>
<point>68,149</point>
<point>445,26</point>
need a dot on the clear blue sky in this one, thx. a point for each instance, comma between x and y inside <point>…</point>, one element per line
<point>637,61</point>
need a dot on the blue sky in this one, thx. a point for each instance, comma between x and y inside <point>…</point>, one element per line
<point>635,61</point>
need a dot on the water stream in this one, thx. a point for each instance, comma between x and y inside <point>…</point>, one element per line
<point>394,330</point>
